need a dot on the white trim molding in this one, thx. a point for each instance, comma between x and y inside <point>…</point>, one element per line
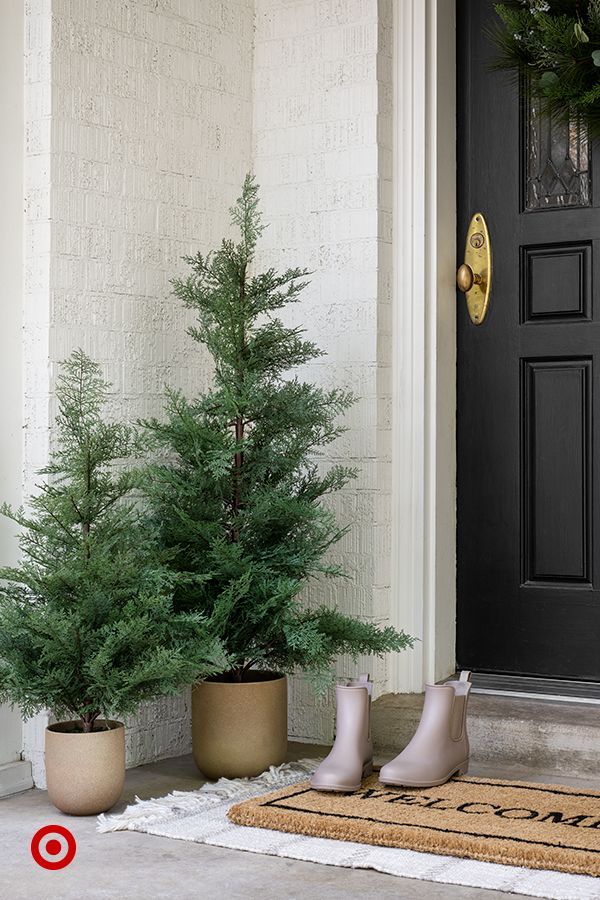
<point>15,777</point>
<point>424,414</point>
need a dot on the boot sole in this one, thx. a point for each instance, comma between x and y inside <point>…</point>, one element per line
<point>462,769</point>
<point>338,788</point>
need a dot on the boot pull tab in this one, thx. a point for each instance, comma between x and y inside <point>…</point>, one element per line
<point>362,681</point>
<point>366,680</point>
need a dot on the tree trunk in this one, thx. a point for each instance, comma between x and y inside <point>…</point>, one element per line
<point>238,462</point>
<point>88,721</point>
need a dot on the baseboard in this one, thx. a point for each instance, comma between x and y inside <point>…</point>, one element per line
<point>15,777</point>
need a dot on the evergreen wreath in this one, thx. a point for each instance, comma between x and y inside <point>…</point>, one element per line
<point>555,44</point>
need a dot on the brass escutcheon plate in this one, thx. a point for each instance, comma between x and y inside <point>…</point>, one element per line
<point>478,255</point>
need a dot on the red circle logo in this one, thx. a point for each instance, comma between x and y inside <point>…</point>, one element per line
<point>53,847</point>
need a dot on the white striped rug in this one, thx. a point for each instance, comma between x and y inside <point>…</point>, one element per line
<point>201,817</point>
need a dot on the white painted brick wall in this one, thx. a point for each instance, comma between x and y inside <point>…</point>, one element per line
<point>139,120</point>
<point>322,154</point>
<point>36,282</point>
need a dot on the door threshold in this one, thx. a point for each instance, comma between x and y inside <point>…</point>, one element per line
<point>555,689</point>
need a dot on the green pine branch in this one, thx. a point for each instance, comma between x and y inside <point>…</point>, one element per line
<point>554,46</point>
<point>87,623</point>
<point>236,493</point>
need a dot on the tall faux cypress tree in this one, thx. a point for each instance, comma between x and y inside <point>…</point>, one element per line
<point>87,625</point>
<point>238,494</point>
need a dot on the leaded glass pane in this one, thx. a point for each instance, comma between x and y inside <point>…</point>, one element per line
<point>557,160</point>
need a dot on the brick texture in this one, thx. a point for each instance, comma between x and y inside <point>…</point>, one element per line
<point>322,153</point>
<point>138,136</point>
<point>141,120</point>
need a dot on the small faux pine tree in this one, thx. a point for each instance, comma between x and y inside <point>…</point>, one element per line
<point>238,497</point>
<point>87,626</point>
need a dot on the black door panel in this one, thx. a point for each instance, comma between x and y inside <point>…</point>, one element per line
<point>528,419</point>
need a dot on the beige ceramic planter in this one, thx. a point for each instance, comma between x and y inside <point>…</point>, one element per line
<point>85,772</point>
<point>239,729</point>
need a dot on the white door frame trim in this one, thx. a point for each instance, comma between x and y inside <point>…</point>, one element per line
<point>424,413</point>
<point>13,772</point>
<point>15,777</point>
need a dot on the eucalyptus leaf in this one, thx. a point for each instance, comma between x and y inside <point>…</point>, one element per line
<point>596,57</point>
<point>580,33</point>
<point>548,80</point>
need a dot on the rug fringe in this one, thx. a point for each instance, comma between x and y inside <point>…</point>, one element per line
<point>151,812</point>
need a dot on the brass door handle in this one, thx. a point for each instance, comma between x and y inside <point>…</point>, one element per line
<point>466,278</point>
<point>474,276</point>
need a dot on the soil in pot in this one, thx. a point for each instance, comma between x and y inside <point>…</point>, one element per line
<point>85,772</point>
<point>239,729</point>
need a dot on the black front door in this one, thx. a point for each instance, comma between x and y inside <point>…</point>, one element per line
<point>528,421</point>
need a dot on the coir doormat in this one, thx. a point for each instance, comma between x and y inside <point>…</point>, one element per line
<point>540,826</point>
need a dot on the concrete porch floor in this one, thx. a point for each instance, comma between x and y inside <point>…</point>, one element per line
<point>133,866</point>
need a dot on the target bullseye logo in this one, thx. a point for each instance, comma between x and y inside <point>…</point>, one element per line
<point>53,847</point>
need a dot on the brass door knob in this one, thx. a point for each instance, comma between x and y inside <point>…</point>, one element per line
<point>466,278</point>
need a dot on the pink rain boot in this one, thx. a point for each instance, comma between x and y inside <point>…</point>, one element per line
<point>440,746</point>
<point>351,756</point>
